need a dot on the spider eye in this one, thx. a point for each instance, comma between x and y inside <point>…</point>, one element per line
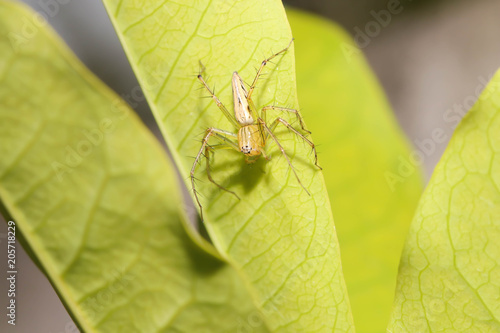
<point>246,149</point>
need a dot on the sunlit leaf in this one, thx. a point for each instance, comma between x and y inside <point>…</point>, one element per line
<point>282,239</point>
<point>362,151</point>
<point>449,279</point>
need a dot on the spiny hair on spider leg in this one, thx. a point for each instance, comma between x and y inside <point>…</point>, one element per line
<point>202,133</point>
<point>198,193</point>
<point>201,88</point>
<point>218,144</point>
<point>311,151</point>
<point>245,82</point>
<point>257,70</point>
<point>210,147</point>
<point>198,162</point>
<point>266,57</point>
<point>205,77</point>
<point>196,180</point>
<point>263,76</point>
<point>292,122</point>
<point>192,177</point>
<point>269,62</point>
<point>317,150</point>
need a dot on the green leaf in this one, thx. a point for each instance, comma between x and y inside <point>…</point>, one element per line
<point>282,239</point>
<point>361,150</point>
<point>449,279</point>
<point>97,201</point>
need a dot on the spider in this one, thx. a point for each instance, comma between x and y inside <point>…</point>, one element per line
<point>253,131</point>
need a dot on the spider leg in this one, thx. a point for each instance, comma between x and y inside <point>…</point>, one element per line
<point>271,134</point>
<point>290,127</point>
<point>222,136</point>
<point>278,108</point>
<point>262,65</point>
<point>219,103</point>
<point>212,149</point>
<point>263,152</point>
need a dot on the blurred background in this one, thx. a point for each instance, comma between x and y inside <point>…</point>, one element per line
<point>431,59</point>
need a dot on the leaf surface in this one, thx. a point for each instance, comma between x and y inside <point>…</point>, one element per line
<point>97,201</point>
<point>449,276</point>
<point>282,239</point>
<point>361,150</point>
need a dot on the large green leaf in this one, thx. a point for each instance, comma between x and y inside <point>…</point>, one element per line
<point>361,151</point>
<point>97,201</point>
<point>449,279</point>
<point>282,239</point>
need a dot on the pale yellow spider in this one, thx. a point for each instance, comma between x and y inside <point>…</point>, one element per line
<point>253,132</point>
